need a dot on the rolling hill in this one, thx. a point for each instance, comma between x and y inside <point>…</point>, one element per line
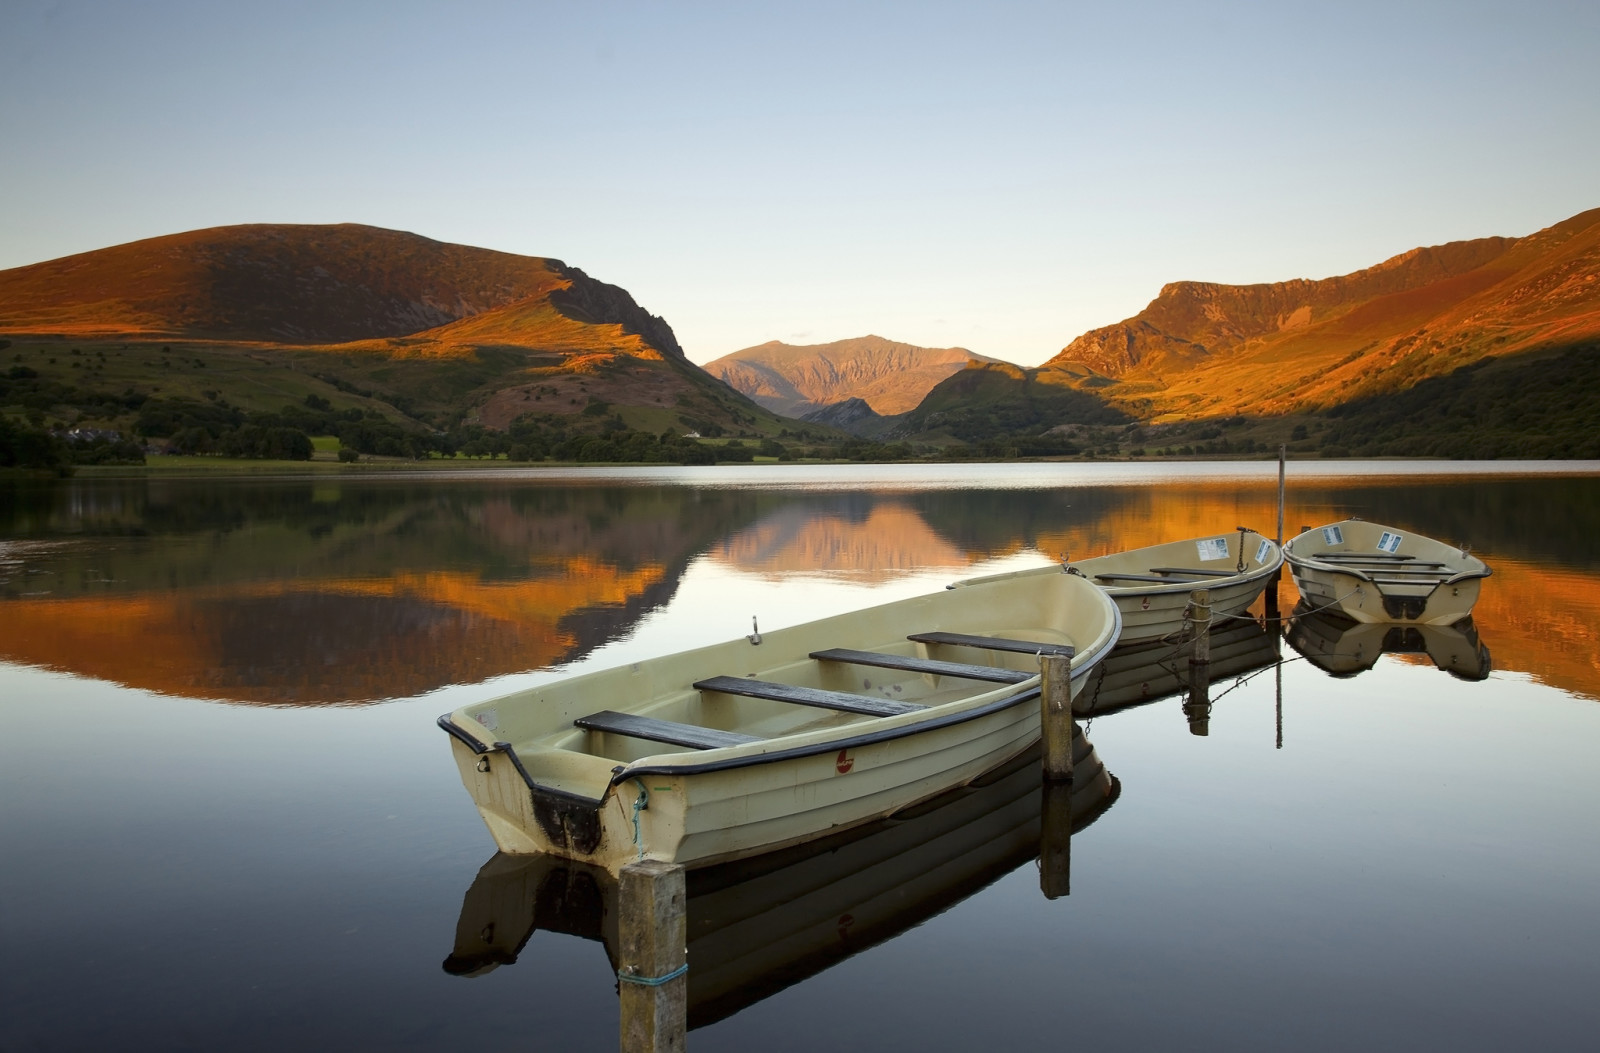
<point>1205,350</point>
<point>360,316</point>
<point>1396,358</point>
<point>799,379</point>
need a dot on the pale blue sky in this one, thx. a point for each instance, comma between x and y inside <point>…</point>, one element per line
<point>996,176</point>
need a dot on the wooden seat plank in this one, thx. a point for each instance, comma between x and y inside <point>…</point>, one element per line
<point>1230,572</point>
<point>961,670</point>
<point>993,643</point>
<point>637,727</point>
<point>1158,579</point>
<point>807,696</point>
<point>1386,557</point>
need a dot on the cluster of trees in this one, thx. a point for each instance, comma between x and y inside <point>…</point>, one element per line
<point>193,427</point>
<point>1545,407</point>
<point>23,386</point>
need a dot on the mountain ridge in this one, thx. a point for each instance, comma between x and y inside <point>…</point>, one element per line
<point>437,329</point>
<point>890,376</point>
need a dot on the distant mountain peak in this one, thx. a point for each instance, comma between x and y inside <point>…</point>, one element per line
<point>889,376</point>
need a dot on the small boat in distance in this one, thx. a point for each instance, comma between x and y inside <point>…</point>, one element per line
<point>1151,585</point>
<point>1373,573</point>
<point>773,740</point>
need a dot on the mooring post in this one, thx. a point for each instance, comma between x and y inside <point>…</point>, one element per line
<point>1055,716</point>
<point>1279,675</point>
<point>1283,453</point>
<point>1272,586</point>
<point>1055,840</point>
<point>652,937</point>
<point>1198,707</point>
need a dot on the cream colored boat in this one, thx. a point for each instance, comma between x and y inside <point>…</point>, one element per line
<point>748,746</point>
<point>1374,573</point>
<point>1151,585</point>
<point>1341,647</point>
<point>760,925</point>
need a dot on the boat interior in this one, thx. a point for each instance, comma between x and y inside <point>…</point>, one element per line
<point>1194,563</point>
<point>1386,556</point>
<point>852,670</point>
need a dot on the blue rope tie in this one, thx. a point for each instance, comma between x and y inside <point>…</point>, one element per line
<point>639,805</point>
<point>652,981</point>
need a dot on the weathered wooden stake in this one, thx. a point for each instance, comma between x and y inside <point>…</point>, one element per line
<point>1055,717</point>
<point>1198,708</point>
<point>652,936</point>
<point>1200,621</point>
<point>1055,840</point>
<point>1272,586</point>
<point>1279,674</point>
<point>1283,452</point>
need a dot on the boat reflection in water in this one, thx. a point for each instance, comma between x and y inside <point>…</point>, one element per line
<point>759,925</point>
<point>1341,647</point>
<point>1137,673</point>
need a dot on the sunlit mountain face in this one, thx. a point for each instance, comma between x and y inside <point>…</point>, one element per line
<point>314,593</point>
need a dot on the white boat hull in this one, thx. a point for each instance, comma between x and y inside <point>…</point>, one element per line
<point>1153,610</point>
<point>542,785</point>
<point>1393,587</point>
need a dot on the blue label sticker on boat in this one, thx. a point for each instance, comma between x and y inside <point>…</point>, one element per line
<point>1262,550</point>
<point>1388,542</point>
<point>1212,548</point>
<point>1333,535</point>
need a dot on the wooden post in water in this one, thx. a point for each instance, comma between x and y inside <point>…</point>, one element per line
<point>652,937</point>
<point>1272,587</point>
<point>1198,708</point>
<point>1055,840</point>
<point>1055,716</point>
<point>1279,674</point>
<point>1283,453</point>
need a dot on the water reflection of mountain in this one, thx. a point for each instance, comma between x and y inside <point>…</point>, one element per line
<point>316,592</point>
<point>1342,647</point>
<point>758,926</point>
<point>342,590</point>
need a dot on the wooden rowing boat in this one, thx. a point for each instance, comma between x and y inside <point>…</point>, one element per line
<point>1374,573</point>
<point>757,926</point>
<point>1341,647</point>
<point>748,746</point>
<point>1151,585</point>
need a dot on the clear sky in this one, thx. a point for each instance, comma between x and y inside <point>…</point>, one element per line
<point>990,175</point>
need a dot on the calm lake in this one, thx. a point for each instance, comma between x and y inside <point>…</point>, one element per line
<point>227,819</point>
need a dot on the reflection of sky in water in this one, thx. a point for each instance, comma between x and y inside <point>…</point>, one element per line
<point>1417,860</point>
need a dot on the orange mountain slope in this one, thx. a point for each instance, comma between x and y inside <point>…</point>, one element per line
<point>795,379</point>
<point>424,323</point>
<point>1204,349</point>
<point>275,283</point>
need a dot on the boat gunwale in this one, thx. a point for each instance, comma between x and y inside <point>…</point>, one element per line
<point>1082,665</point>
<point>1297,562</point>
<point>1238,577</point>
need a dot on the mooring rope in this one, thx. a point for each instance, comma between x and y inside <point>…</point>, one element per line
<point>651,981</point>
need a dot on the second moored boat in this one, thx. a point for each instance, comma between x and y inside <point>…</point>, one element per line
<point>1151,585</point>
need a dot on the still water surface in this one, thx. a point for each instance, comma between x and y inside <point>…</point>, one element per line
<point>227,820</point>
